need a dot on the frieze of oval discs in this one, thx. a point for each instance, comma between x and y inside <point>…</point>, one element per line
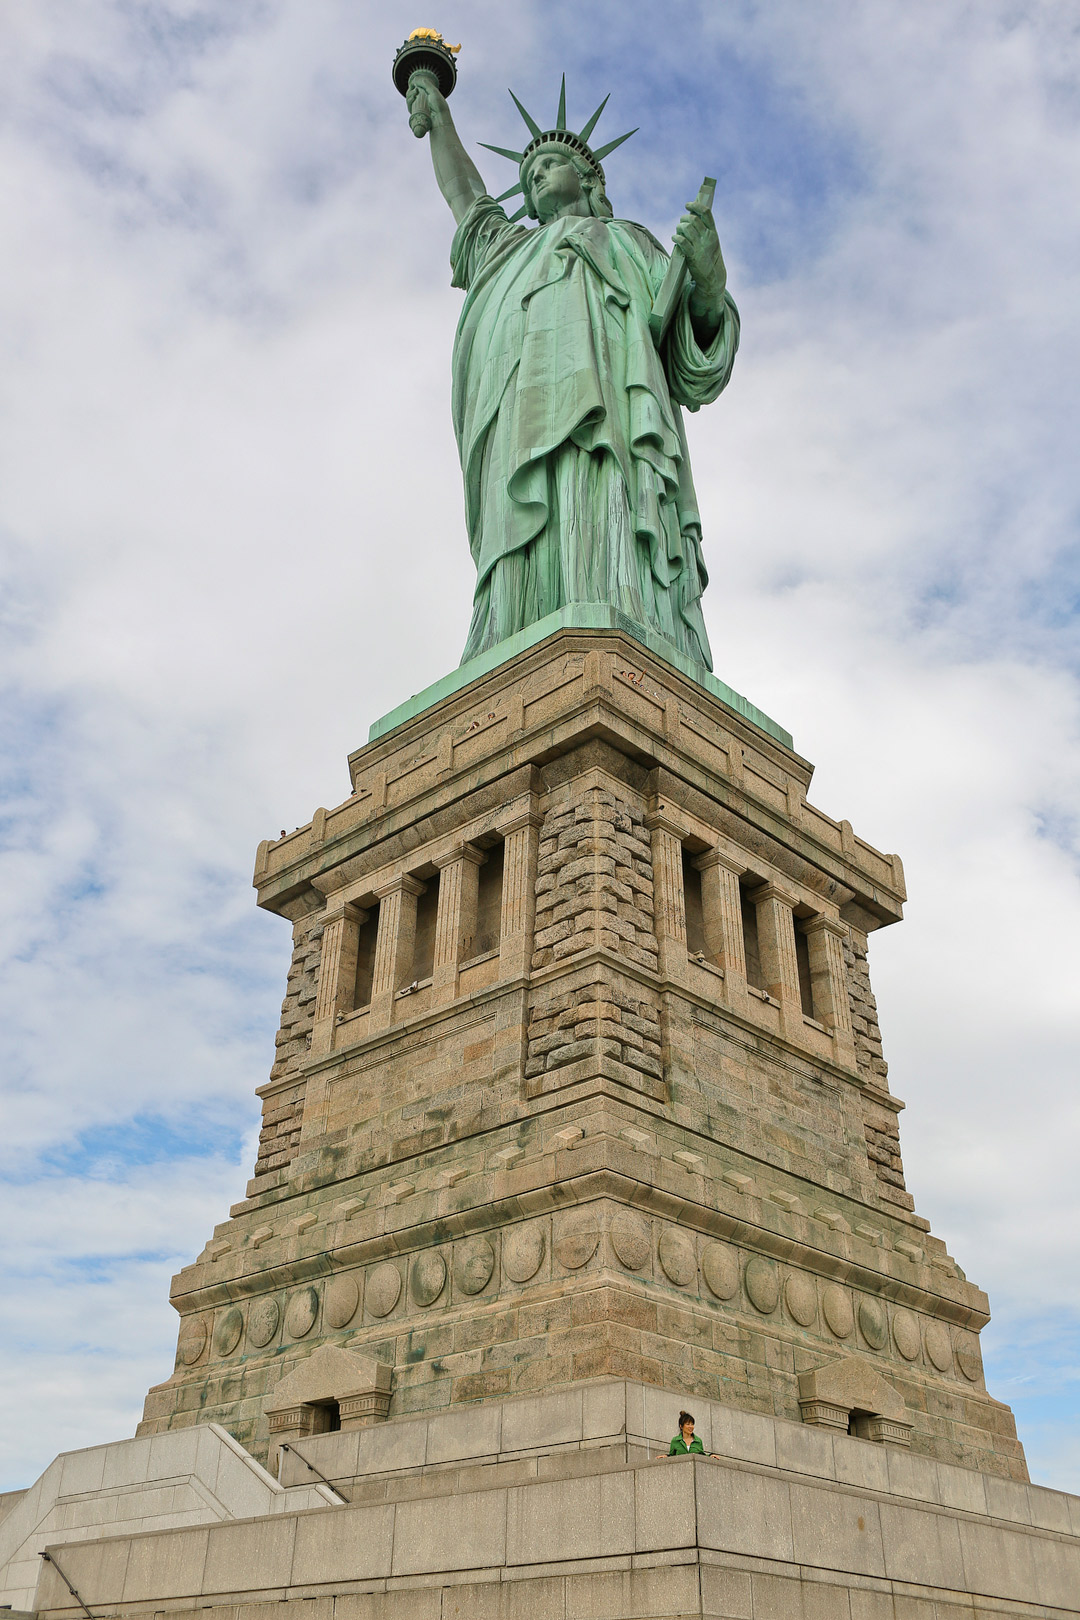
<point>382,1290</point>
<point>939,1346</point>
<point>836,1308</point>
<point>474,1262</point>
<point>523,1249</point>
<point>263,1319</point>
<point>340,1301</point>
<point>632,1241</point>
<point>300,1313</point>
<point>677,1256</point>
<point>192,1340</point>
<point>428,1277</point>
<point>905,1332</point>
<point>968,1358</point>
<point>575,1241</point>
<point>720,1268</point>
<point>800,1296</point>
<point>228,1331</point>
<point>762,1284</point>
<point>872,1323</point>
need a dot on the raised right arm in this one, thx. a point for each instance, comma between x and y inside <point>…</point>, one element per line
<point>457,175</point>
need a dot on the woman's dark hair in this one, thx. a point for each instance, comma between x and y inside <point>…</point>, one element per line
<point>685,1417</point>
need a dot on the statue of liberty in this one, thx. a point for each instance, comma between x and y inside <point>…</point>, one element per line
<point>567,409</point>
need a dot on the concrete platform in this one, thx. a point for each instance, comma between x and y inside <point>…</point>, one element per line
<point>558,1506</point>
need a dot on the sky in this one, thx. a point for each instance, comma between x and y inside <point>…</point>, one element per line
<point>231,536</point>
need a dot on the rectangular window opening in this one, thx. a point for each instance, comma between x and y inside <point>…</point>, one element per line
<point>859,1424</point>
<point>427,907</point>
<point>365,959</point>
<point>695,913</point>
<point>488,933</point>
<point>751,947</point>
<point>327,1417</point>
<point>802,957</point>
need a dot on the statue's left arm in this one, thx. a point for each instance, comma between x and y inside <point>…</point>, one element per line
<point>697,236</point>
<point>702,340</point>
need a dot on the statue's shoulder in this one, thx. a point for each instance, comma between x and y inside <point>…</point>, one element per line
<point>643,234</point>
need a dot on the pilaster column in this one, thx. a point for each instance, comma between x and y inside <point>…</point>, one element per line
<point>521,845</point>
<point>779,964</point>
<point>669,900</point>
<point>455,920</point>
<point>721,907</point>
<point>337,973</point>
<point>828,978</point>
<point>394,944</point>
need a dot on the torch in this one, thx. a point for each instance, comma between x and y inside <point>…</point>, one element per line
<point>425,51</point>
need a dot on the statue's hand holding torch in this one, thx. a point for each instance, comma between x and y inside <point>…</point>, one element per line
<point>425,72</point>
<point>424,101</point>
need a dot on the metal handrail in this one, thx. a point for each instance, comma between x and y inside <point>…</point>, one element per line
<point>319,1474</point>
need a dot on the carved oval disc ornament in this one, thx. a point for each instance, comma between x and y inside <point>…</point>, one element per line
<point>632,1241</point>
<point>720,1268</point>
<point>383,1289</point>
<point>523,1250</point>
<point>939,1346</point>
<point>836,1308</point>
<point>300,1313</point>
<point>340,1302</point>
<point>474,1261</point>
<point>228,1331</point>
<point>800,1297</point>
<point>905,1332</point>
<point>192,1340</point>
<point>968,1358</point>
<point>677,1256</point>
<point>872,1323</point>
<point>428,1277</point>
<point>762,1284</point>
<point>576,1240</point>
<point>263,1319</point>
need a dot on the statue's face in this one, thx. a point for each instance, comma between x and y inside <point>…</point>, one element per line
<point>554,185</point>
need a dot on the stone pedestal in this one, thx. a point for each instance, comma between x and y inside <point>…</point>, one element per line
<point>579,1077</point>
<point>579,1116</point>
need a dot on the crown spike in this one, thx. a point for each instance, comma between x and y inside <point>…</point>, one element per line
<point>522,211</point>
<point>530,122</point>
<point>512,192</point>
<point>591,125</point>
<point>502,151</point>
<point>560,121</point>
<point>603,151</point>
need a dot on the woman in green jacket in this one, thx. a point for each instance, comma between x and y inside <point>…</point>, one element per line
<point>686,1441</point>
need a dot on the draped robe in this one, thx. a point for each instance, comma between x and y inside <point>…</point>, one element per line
<point>577,477</point>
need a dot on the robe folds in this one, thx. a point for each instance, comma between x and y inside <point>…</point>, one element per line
<point>577,477</point>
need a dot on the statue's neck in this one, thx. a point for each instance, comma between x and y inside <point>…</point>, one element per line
<point>579,209</point>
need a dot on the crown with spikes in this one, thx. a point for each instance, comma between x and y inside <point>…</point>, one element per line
<point>559,136</point>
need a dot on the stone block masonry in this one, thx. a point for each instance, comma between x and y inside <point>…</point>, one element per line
<point>579,1076</point>
<point>283,1107</point>
<point>595,882</point>
<point>595,1020</point>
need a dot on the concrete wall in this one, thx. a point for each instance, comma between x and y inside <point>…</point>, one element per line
<point>536,1507</point>
<point>753,1542</point>
<point>169,1481</point>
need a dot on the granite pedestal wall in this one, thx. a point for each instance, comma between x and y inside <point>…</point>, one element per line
<point>579,1076</point>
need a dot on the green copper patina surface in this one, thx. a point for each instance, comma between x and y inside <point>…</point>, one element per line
<point>568,416</point>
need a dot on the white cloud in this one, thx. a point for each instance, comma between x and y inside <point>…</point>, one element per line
<point>231,513</point>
